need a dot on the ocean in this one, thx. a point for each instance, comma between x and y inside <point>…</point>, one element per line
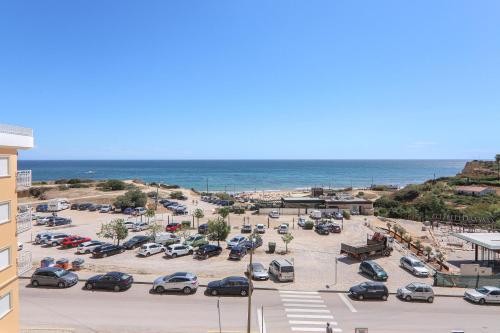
<point>250,175</point>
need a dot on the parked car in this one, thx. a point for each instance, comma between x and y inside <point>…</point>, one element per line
<point>150,248</point>
<point>54,239</point>
<point>180,281</point>
<point>53,276</point>
<point>166,238</point>
<point>373,270</point>
<point>196,241</point>
<point>136,241</point>
<point>260,228</point>
<point>339,216</point>
<point>415,291</point>
<point>42,220</point>
<point>41,236</point>
<point>233,285</point>
<point>283,228</point>
<point>104,251</point>
<point>249,244</point>
<point>322,229</point>
<point>335,228</point>
<point>237,252</point>
<point>301,222</point>
<point>128,210</point>
<point>206,251</point>
<point>177,250</point>
<point>180,211</point>
<point>246,229</point>
<point>74,206</point>
<point>139,211</point>
<point>93,208</point>
<point>259,272</point>
<point>369,289</point>
<point>282,270</point>
<point>106,208</point>
<point>140,226</point>
<point>203,228</point>
<point>56,221</point>
<point>115,281</point>
<point>414,265</point>
<point>73,241</point>
<point>235,241</point>
<point>84,206</point>
<point>129,224</point>
<point>87,247</point>
<point>274,214</point>
<point>42,208</point>
<point>173,227</point>
<point>482,295</point>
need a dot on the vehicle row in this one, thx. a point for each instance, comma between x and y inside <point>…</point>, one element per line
<point>176,207</point>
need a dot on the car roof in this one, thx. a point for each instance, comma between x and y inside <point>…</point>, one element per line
<point>117,274</point>
<point>419,284</point>
<point>491,288</point>
<point>236,278</point>
<point>283,262</point>
<point>49,269</point>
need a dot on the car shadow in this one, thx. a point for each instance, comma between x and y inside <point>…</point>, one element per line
<point>348,260</point>
<point>477,304</point>
<point>170,292</point>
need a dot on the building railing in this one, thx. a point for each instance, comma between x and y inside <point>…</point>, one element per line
<point>23,222</point>
<point>24,262</point>
<point>23,180</point>
<point>46,330</point>
<point>16,130</point>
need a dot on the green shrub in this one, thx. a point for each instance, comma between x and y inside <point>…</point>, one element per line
<point>346,214</point>
<point>63,187</point>
<point>79,185</point>
<point>177,195</point>
<point>185,224</point>
<point>308,225</point>
<point>152,194</point>
<point>133,198</point>
<point>112,185</point>
<point>38,191</point>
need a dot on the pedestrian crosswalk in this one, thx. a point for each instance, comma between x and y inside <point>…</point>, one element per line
<point>306,311</point>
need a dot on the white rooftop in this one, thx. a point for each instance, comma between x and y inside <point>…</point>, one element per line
<point>487,240</point>
<point>16,137</point>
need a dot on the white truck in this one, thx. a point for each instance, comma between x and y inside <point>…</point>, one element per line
<point>58,204</point>
<point>315,214</point>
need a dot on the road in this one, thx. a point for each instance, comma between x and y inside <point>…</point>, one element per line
<point>138,310</point>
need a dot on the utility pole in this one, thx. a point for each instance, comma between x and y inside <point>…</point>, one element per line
<point>207,186</point>
<point>156,201</point>
<point>218,310</point>
<point>250,286</point>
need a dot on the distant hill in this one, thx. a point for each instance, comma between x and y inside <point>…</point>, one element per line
<point>479,169</point>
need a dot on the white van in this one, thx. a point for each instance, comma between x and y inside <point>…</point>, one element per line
<point>315,214</point>
<point>166,238</point>
<point>59,204</point>
<point>274,214</point>
<point>282,269</point>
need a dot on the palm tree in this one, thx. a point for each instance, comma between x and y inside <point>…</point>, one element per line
<point>418,246</point>
<point>440,258</point>
<point>408,238</point>
<point>150,213</point>
<point>198,213</point>
<point>389,226</point>
<point>427,252</point>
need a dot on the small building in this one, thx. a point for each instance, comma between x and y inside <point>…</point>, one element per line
<point>476,191</point>
<point>317,191</point>
<point>352,204</point>
<point>486,246</point>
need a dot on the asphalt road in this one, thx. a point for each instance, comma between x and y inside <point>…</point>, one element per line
<point>137,310</point>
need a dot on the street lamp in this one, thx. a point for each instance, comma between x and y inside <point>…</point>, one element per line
<point>250,284</point>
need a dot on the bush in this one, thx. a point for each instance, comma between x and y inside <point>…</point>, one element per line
<point>38,191</point>
<point>308,225</point>
<point>79,185</point>
<point>63,187</point>
<point>152,194</point>
<point>346,214</point>
<point>409,194</point>
<point>112,185</point>
<point>133,198</point>
<point>386,202</point>
<point>177,195</point>
<point>185,224</point>
<point>169,187</point>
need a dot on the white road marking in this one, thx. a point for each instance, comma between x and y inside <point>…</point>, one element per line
<point>314,329</point>
<point>310,322</point>
<point>305,305</point>
<point>307,310</point>
<point>298,292</point>
<point>347,303</point>
<point>262,323</point>
<point>300,296</point>
<point>303,300</point>
<point>309,316</point>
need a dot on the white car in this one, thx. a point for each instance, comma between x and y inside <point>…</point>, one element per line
<point>283,229</point>
<point>274,214</point>
<point>301,222</point>
<point>177,250</point>
<point>166,238</point>
<point>483,295</point>
<point>235,241</point>
<point>41,236</point>
<point>414,265</point>
<point>150,248</point>
<point>140,211</point>
<point>129,224</point>
<point>87,247</point>
<point>106,208</point>
<point>42,220</point>
<point>140,226</point>
<point>182,281</point>
<point>260,228</point>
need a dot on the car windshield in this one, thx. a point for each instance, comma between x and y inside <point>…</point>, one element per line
<point>482,290</point>
<point>257,267</point>
<point>124,276</point>
<point>287,269</point>
<point>364,285</point>
<point>411,287</point>
<point>61,272</point>
<point>418,264</point>
<point>377,268</point>
<point>191,238</point>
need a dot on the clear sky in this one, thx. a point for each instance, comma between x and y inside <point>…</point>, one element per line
<point>252,79</point>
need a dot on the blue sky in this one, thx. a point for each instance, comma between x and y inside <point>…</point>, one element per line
<point>252,79</point>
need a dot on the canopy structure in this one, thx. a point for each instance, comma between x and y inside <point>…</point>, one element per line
<point>486,246</point>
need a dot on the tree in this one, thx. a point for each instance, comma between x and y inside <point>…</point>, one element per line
<point>389,226</point>
<point>218,230</point>
<point>133,198</point>
<point>287,238</point>
<point>112,185</point>
<point>114,230</point>
<point>198,213</point>
<point>428,252</point>
<point>497,159</point>
<point>150,213</point>
<point>408,239</point>
<point>418,246</point>
<point>224,212</point>
<point>154,229</point>
<point>440,257</point>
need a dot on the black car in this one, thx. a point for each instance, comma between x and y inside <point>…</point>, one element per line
<point>84,206</point>
<point>93,208</point>
<point>233,285</point>
<point>55,221</point>
<point>74,206</point>
<point>237,252</point>
<point>208,250</point>
<point>113,281</point>
<point>373,270</point>
<point>335,228</point>
<point>252,245</point>
<point>203,228</point>
<point>246,229</point>
<point>322,229</point>
<point>107,250</point>
<point>369,290</point>
<point>136,241</point>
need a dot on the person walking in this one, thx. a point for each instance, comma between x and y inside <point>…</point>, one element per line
<point>328,328</point>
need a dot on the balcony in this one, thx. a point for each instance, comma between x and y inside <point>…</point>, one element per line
<point>23,222</point>
<point>23,180</point>
<point>16,137</point>
<point>24,262</point>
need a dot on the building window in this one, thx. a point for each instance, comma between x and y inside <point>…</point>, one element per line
<point>4,258</point>
<point>5,305</point>
<point>4,212</point>
<point>4,166</point>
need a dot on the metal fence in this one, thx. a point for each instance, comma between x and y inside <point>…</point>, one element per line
<point>23,222</point>
<point>24,262</point>
<point>23,180</point>
<point>17,130</point>
<point>464,281</point>
<point>47,330</point>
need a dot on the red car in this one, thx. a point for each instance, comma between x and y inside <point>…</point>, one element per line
<point>173,227</point>
<point>74,241</point>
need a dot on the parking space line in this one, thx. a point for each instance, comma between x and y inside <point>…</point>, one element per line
<point>309,316</point>
<point>303,300</point>
<point>300,296</point>
<point>299,292</point>
<point>305,305</point>
<point>310,322</point>
<point>262,323</point>
<point>313,329</point>
<point>347,303</point>
<point>307,310</point>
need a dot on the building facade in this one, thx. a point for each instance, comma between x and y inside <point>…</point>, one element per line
<point>12,222</point>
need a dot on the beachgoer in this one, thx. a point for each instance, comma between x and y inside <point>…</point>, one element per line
<point>328,328</point>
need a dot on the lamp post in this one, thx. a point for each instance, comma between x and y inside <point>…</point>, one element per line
<point>250,285</point>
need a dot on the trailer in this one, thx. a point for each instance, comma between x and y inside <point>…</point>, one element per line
<point>59,204</point>
<point>378,244</point>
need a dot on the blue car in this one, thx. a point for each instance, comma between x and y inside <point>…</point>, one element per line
<point>128,211</point>
<point>42,208</point>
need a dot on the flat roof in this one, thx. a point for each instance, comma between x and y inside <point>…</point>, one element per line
<point>16,137</point>
<point>489,240</point>
<point>303,199</point>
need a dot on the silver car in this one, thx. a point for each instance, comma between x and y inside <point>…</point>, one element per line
<point>53,276</point>
<point>259,272</point>
<point>416,291</point>
<point>180,281</point>
<point>481,295</point>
